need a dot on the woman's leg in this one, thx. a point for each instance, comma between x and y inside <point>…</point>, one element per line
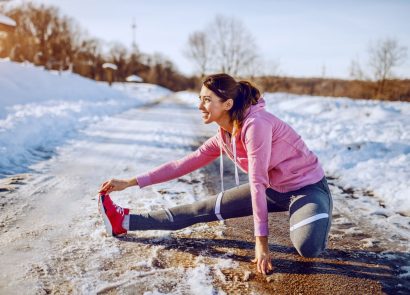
<point>235,202</point>
<point>310,218</point>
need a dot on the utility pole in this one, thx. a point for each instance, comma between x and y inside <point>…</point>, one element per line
<point>134,27</point>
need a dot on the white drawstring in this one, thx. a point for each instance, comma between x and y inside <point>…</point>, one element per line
<point>221,166</point>
<point>234,159</point>
<point>221,162</point>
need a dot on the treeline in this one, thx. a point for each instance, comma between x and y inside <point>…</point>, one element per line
<point>393,89</point>
<point>46,38</point>
<point>226,46</point>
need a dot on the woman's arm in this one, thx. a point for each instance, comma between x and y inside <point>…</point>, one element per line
<point>206,153</point>
<point>258,141</point>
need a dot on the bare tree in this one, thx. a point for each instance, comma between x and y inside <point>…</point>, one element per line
<point>87,57</point>
<point>261,67</point>
<point>234,47</point>
<point>225,46</point>
<point>383,57</point>
<point>118,55</point>
<point>355,70</point>
<point>199,51</point>
<point>134,62</point>
<point>42,35</point>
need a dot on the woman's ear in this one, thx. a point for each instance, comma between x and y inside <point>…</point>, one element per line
<point>228,104</point>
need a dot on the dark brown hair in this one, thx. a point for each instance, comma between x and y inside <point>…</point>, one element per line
<point>243,94</point>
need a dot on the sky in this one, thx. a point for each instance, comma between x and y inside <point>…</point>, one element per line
<point>306,38</point>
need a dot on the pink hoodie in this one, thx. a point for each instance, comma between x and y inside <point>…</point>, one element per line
<point>266,148</point>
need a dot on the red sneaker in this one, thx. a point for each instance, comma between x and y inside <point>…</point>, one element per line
<point>113,215</point>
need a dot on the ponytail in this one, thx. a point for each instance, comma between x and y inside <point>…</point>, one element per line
<point>243,93</point>
<point>247,95</point>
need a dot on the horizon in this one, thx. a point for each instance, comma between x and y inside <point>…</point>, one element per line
<point>335,33</point>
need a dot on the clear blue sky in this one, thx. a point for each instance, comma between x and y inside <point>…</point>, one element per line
<point>303,36</point>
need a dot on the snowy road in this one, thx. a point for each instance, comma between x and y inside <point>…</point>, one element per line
<point>52,237</point>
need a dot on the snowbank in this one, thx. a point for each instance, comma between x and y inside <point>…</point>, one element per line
<point>40,109</point>
<point>5,20</point>
<point>363,142</point>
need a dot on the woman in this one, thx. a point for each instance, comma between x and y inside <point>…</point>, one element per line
<point>283,175</point>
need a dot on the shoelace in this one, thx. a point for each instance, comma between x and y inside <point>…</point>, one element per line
<point>119,209</point>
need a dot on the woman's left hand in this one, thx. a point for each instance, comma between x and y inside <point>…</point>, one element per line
<point>262,259</point>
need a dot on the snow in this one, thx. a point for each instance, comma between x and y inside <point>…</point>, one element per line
<point>60,231</point>
<point>88,132</point>
<point>133,78</point>
<point>198,279</point>
<point>111,66</point>
<point>366,144</point>
<point>7,21</point>
<point>40,110</point>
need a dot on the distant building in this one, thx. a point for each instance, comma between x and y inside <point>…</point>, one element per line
<point>111,66</point>
<point>110,69</point>
<point>6,24</point>
<point>134,78</point>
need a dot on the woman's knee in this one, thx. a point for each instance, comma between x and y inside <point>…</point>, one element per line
<point>310,240</point>
<point>308,249</point>
<point>310,221</point>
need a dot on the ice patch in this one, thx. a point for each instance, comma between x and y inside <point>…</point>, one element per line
<point>199,280</point>
<point>223,263</point>
<point>154,292</point>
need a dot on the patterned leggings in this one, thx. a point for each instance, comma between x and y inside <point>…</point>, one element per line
<point>310,210</point>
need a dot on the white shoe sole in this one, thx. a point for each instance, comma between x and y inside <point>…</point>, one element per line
<point>107,222</point>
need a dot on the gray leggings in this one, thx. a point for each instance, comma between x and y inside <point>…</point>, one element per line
<point>310,210</point>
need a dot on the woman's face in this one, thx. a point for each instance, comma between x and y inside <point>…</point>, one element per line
<point>211,107</point>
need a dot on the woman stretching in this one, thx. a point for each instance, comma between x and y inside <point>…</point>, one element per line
<point>283,175</point>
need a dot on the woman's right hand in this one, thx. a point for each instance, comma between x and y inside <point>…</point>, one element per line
<point>117,185</point>
<point>262,259</point>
